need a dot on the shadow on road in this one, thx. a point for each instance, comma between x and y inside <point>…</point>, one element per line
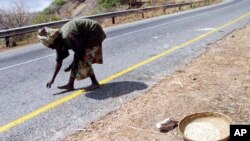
<point>64,92</point>
<point>116,89</point>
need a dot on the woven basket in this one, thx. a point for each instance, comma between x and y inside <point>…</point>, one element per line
<point>220,121</point>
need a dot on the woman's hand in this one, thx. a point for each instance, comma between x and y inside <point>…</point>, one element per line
<point>50,83</point>
<point>57,69</point>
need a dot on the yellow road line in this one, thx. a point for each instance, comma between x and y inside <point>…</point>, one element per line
<point>119,74</point>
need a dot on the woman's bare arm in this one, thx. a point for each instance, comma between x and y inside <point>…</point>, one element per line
<point>57,69</point>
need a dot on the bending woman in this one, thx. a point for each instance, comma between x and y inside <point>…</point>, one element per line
<point>85,38</point>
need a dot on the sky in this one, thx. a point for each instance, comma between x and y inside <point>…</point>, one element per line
<point>32,5</point>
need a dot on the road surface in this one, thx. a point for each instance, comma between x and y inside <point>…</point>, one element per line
<point>136,56</point>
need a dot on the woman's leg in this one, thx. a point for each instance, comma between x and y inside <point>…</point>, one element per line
<point>95,84</point>
<point>70,85</point>
<point>93,80</point>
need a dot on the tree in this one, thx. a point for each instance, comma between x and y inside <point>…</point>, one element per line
<point>16,16</point>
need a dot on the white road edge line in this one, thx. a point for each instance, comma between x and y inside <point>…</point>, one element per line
<point>118,36</point>
<point>26,62</point>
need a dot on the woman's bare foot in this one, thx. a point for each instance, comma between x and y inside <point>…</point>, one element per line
<point>67,87</point>
<point>92,87</point>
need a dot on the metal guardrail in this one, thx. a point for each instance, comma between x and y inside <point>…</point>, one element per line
<point>33,28</point>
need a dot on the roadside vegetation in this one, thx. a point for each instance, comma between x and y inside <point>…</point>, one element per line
<point>50,13</point>
<point>108,4</point>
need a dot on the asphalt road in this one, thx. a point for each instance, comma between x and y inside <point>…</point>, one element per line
<point>24,72</point>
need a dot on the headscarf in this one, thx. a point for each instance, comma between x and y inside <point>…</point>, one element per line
<point>47,35</point>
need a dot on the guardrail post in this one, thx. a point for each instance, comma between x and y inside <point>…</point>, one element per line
<point>10,42</point>
<point>7,42</point>
<point>142,14</point>
<point>113,20</point>
<point>206,2</point>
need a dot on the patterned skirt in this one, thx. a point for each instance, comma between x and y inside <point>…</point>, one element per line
<point>84,68</point>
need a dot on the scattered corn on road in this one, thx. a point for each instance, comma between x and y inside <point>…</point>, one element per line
<point>136,56</point>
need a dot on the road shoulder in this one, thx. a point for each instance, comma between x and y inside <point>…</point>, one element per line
<point>216,81</point>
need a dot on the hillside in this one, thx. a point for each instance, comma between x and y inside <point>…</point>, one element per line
<point>75,8</point>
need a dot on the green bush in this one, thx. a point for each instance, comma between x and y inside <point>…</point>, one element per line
<point>59,2</point>
<point>54,6</point>
<point>107,4</point>
<point>44,18</point>
<point>49,10</point>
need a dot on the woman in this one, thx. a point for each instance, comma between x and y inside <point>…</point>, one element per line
<point>85,38</point>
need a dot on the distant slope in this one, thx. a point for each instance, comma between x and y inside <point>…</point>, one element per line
<point>74,8</point>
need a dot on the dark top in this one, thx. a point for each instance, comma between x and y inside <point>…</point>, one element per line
<point>77,35</point>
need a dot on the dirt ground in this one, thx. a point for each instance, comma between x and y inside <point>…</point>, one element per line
<point>216,81</point>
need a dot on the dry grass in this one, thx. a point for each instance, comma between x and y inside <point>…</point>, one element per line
<point>217,81</point>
